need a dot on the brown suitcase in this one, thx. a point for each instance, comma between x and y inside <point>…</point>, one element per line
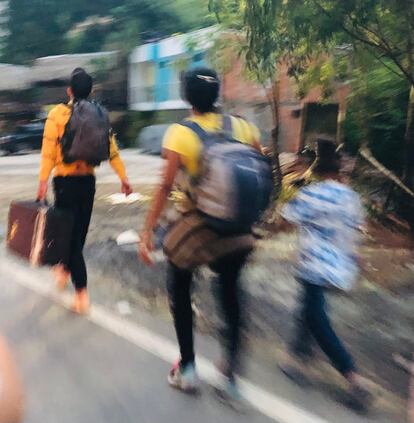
<point>39,233</point>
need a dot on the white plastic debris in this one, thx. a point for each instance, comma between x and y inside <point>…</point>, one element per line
<point>119,198</point>
<point>129,241</point>
<point>158,256</point>
<point>124,308</point>
<point>127,238</point>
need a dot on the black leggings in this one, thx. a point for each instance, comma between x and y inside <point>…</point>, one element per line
<point>76,194</point>
<point>314,324</point>
<point>229,296</point>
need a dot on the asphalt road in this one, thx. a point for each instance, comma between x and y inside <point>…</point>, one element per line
<point>77,372</point>
<point>110,369</point>
<point>142,169</point>
<point>103,369</point>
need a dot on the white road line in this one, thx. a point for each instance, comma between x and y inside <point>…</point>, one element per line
<point>272,406</point>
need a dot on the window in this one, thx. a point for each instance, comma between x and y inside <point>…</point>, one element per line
<point>198,57</point>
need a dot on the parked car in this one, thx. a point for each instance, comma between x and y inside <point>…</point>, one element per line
<point>150,139</point>
<point>27,137</point>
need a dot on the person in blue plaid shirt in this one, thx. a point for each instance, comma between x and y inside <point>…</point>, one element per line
<point>329,215</point>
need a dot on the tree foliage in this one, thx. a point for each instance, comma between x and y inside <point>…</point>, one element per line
<point>265,37</point>
<point>369,42</point>
<point>37,28</point>
<point>385,28</point>
<point>377,112</point>
<point>261,37</point>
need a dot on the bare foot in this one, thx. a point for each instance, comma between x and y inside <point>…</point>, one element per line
<point>81,303</point>
<point>62,277</point>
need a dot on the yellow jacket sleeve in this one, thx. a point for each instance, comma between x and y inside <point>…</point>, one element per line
<point>49,148</point>
<point>115,159</point>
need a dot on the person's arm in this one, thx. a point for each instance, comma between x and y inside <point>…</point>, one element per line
<point>11,389</point>
<point>169,173</point>
<point>118,165</point>
<point>48,155</point>
<point>256,144</point>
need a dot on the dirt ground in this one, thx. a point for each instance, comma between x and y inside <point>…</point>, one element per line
<point>375,320</point>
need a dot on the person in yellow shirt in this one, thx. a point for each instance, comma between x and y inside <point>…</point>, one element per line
<point>186,143</point>
<point>74,185</point>
<point>182,151</point>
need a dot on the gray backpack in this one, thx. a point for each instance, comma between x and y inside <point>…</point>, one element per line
<point>87,134</point>
<point>235,184</point>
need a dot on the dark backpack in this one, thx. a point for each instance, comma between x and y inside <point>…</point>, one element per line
<point>235,182</point>
<point>87,134</point>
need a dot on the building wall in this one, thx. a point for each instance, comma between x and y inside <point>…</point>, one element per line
<point>293,113</point>
<point>154,80</point>
<point>248,99</point>
<point>154,85</point>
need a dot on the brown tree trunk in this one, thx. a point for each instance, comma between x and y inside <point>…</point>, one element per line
<point>406,202</point>
<point>277,172</point>
<point>409,144</point>
<point>409,132</point>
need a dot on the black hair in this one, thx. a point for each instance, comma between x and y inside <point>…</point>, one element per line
<point>81,83</point>
<point>201,88</point>
<point>328,160</point>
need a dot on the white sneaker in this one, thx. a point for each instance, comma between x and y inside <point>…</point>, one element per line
<point>185,379</point>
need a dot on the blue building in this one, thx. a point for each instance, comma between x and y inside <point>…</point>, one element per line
<point>155,68</point>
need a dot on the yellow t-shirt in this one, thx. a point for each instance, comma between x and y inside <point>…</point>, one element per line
<point>186,143</point>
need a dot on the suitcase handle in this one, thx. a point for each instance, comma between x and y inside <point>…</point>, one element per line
<point>43,202</point>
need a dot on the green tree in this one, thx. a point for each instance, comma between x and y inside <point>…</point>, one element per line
<point>377,112</point>
<point>259,33</point>
<point>37,28</point>
<point>193,14</point>
<point>382,28</point>
<point>32,30</point>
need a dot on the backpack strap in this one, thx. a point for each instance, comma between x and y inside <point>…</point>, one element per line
<point>202,134</point>
<point>196,128</point>
<point>227,124</point>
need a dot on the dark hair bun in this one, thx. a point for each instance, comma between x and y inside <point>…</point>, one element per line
<point>81,83</point>
<point>201,88</point>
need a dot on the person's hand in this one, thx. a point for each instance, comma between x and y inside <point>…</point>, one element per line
<point>146,247</point>
<point>42,190</point>
<point>126,187</point>
<point>266,151</point>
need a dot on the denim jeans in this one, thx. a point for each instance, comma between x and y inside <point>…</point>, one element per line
<point>313,324</point>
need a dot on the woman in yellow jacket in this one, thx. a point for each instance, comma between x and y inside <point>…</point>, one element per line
<point>74,185</point>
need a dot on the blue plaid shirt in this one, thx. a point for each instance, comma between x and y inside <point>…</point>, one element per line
<point>329,215</point>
